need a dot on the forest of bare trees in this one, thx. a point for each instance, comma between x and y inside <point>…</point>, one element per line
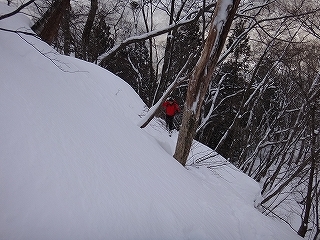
<point>245,73</point>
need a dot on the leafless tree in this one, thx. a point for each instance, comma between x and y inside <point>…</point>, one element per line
<point>202,74</point>
<point>88,27</point>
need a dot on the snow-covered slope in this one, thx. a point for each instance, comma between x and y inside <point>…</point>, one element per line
<point>75,165</point>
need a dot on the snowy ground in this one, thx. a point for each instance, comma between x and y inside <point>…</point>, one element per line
<point>75,165</point>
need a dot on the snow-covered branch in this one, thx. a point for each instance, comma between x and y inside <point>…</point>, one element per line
<point>17,10</point>
<point>191,17</point>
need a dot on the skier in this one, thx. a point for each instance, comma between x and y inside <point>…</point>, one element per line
<point>171,108</point>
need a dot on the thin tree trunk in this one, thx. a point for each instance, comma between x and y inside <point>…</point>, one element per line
<point>317,211</point>
<point>167,58</point>
<point>87,29</point>
<point>292,176</point>
<point>152,74</point>
<point>304,225</point>
<point>202,74</point>
<point>66,32</point>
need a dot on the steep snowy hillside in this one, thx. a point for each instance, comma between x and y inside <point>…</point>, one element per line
<point>75,165</point>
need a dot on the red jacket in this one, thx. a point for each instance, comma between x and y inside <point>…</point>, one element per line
<point>171,108</point>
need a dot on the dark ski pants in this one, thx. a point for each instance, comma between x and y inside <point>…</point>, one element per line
<point>169,122</point>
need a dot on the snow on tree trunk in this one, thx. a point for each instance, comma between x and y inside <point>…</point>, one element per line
<point>202,74</point>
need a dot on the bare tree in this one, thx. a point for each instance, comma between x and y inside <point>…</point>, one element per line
<point>272,120</point>
<point>200,79</point>
<point>87,29</point>
<point>304,225</point>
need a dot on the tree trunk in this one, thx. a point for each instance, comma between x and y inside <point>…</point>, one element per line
<point>317,216</point>
<point>296,173</point>
<point>167,58</point>
<point>66,32</point>
<point>87,29</point>
<point>47,27</point>
<point>304,225</point>
<point>152,73</point>
<point>202,74</point>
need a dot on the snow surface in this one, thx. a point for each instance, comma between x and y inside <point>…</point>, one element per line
<point>75,164</point>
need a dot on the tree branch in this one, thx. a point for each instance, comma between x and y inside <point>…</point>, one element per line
<point>17,10</point>
<point>19,32</point>
<point>187,19</point>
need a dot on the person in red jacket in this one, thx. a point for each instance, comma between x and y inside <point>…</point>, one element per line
<point>171,108</point>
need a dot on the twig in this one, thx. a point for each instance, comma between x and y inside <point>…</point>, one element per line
<point>17,10</point>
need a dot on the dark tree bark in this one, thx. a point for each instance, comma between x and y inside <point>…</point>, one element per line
<point>47,27</point>
<point>87,28</point>
<point>66,31</point>
<point>167,57</point>
<point>151,69</point>
<point>304,225</point>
